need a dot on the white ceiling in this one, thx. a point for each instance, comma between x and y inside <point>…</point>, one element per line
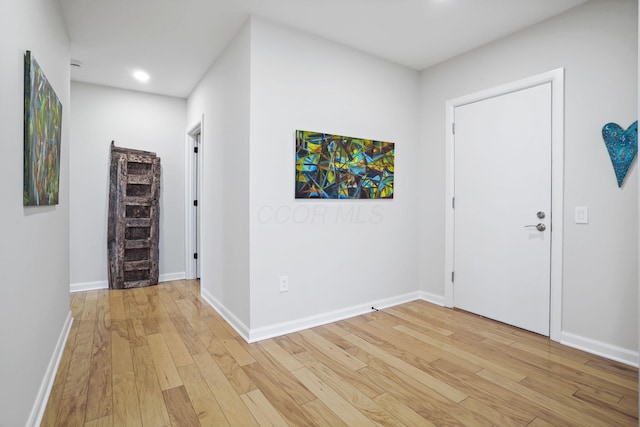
<point>176,41</point>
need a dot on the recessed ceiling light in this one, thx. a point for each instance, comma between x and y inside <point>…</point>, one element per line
<point>141,76</point>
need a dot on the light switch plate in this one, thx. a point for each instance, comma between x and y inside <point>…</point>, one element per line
<point>582,215</point>
<point>284,283</point>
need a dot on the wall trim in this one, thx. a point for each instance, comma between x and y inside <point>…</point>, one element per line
<point>89,286</point>
<point>190,194</point>
<point>283,328</point>
<point>432,298</point>
<point>170,277</point>
<point>104,284</point>
<point>599,348</point>
<point>227,315</point>
<point>42,398</point>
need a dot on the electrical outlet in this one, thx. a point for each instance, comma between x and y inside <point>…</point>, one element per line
<point>284,283</point>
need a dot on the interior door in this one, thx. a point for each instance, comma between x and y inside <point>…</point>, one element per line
<point>502,215</point>
<point>197,204</point>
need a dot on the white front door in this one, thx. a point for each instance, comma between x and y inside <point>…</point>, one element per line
<point>502,215</point>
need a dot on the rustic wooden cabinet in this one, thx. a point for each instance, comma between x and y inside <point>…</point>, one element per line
<point>133,224</point>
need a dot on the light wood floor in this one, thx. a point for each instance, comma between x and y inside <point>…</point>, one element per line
<point>161,356</point>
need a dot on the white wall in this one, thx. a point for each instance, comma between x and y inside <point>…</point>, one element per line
<point>340,256</point>
<point>597,45</point>
<point>223,98</point>
<point>34,248</point>
<point>133,120</point>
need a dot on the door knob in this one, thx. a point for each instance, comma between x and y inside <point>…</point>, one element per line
<point>539,227</point>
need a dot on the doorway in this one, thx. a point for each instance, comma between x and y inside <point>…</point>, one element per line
<point>504,182</point>
<point>193,201</point>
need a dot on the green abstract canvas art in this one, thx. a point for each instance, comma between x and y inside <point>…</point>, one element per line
<point>42,133</point>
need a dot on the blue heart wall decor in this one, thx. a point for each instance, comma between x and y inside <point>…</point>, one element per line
<point>622,146</point>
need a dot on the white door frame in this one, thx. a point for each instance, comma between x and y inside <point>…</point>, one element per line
<point>556,78</point>
<point>190,194</point>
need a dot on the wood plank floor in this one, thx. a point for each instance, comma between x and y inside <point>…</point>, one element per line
<point>160,356</point>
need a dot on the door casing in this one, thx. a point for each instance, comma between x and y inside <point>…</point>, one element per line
<point>556,78</point>
<point>192,192</point>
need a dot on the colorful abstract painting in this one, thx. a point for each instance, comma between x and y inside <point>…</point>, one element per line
<point>341,167</point>
<point>42,132</point>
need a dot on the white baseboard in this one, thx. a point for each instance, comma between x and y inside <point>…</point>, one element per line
<point>432,298</point>
<point>104,284</point>
<point>170,277</point>
<point>259,334</point>
<point>39,406</point>
<point>619,354</point>
<point>227,315</point>
<point>89,286</point>
<point>324,318</point>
